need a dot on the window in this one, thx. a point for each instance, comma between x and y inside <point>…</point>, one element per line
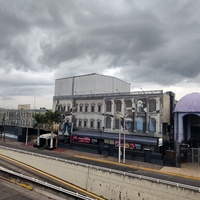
<point>59,108</point>
<point>99,108</point>
<point>64,107</point>
<point>68,108</point>
<point>81,108</point>
<point>92,108</point>
<point>92,124</point>
<point>98,125</point>
<point>140,124</point>
<point>80,123</point>
<point>152,125</point>
<point>86,107</point>
<point>117,124</point>
<point>118,106</point>
<point>108,106</point>
<point>152,105</point>
<point>85,123</point>
<point>108,122</point>
<point>128,103</point>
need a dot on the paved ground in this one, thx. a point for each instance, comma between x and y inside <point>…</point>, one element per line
<point>187,170</point>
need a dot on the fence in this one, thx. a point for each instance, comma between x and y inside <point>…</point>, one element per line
<point>193,155</point>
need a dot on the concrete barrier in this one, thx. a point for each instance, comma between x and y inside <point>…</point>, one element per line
<point>109,184</point>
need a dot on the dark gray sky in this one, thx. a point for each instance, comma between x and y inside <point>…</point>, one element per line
<point>150,44</point>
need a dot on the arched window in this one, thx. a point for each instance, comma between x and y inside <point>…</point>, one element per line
<point>152,125</point>
<point>152,105</point>
<point>108,106</point>
<point>118,106</point>
<point>128,103</point>
<point>108,122</point>
<point>140,124</point>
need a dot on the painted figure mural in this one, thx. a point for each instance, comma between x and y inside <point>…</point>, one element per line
<point>141,105</point>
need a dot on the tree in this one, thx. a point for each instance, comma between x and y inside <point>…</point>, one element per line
<point>39,120</point>
<point>52,118</point>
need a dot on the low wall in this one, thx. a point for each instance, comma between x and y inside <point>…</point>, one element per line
<point>109,184</point>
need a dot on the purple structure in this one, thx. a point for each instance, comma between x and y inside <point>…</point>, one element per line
<point>187,120</point>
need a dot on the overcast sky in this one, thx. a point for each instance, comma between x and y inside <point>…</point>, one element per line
<point>154,45</point>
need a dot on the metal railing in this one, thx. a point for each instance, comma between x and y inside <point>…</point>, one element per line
<point>193,155</point>
<point>196,155</point>
<point>45,184</point>
<point>141,177</point>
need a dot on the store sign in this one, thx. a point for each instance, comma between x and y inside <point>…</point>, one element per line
<point>127,145</point>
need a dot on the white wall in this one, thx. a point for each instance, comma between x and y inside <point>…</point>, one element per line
<point>89,84</point>
<point>63,87</point>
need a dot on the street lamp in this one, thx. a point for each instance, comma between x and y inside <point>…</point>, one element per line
<point>120,117</point>
<point>26,135</point>
<point>119,144</point>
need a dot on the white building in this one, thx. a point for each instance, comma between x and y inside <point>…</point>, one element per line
<point>89,84</point>
<point>22,117</point>
<point>96,102</point>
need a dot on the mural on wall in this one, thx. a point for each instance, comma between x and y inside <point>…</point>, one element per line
<point>141,105</point>
<point>129,124</point>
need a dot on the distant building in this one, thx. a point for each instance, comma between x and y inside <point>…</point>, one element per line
<point>16,122</point>
<point>20,117</point>
<point>24,107</point>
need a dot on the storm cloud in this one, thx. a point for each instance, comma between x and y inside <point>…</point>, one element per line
<point>150,44</point>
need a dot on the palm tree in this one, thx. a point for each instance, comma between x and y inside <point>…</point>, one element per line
<point>39,120</point>
<point>52,118</point>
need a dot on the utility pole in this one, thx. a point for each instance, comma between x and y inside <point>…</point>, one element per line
<point>3,127</point>
<point>124,156</point>
<point>119,146</point>
<point>177,147</point>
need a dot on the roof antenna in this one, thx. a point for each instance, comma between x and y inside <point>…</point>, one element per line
<point>34,101</point>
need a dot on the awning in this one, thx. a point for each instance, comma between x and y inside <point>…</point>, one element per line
<point>114,136</point>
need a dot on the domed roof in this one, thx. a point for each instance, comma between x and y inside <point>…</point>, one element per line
<point>189,103</point>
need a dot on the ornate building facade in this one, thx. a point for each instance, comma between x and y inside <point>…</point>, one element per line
<point>142,113</point>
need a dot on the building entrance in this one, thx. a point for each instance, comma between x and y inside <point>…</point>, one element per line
<point>191,130</point>
<point>195,136</point>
